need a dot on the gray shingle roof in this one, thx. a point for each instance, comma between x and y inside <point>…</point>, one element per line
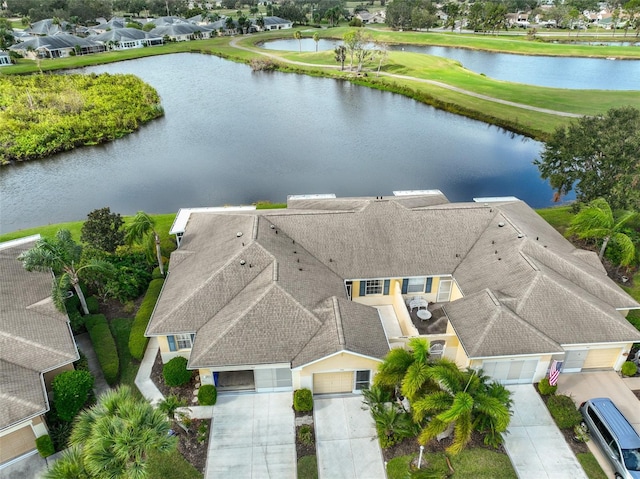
<point>522,280</point>
<point>34,337</point>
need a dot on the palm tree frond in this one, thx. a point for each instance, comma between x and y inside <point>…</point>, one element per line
<point>626,247</point>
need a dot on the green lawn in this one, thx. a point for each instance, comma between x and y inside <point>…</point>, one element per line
<point>163,223</point>
<point>308,467</point>
<point>591,466</point>
<point>171,466</point>
<point>477,463</point>
<point>558,216</point>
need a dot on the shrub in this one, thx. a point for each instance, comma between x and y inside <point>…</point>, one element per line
<point>207,395</point>
<point>629,369</point>
<point>175,372</point>
<point>76,321</point>
<point>92,305</point>
<point>581,433</point>
<point>305,434</point>
<point>44,444</point>
<point>545,388</point>
<point>81,364</point>
<point>70,392</point>
<point>137,340</point>
<point>564,411</point>
<point>104,346</point>
<point>155,274</point>
<point>303,400</point>
<point>72,304</point>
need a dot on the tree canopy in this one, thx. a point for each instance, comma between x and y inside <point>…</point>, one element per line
<point>103,230</point>
<point>598,157</point>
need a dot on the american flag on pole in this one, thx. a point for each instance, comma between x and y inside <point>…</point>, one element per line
<point>554,372</point>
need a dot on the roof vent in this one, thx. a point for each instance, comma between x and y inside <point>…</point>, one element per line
<point>272,226</point>
<point>242,262</point>
<point>501,224</point>
<point>520,235</point>
<point>238,234</point>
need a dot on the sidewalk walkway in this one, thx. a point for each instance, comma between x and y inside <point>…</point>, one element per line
<point>534,443</point>
<point>143,378</point>
<point>83,341</point>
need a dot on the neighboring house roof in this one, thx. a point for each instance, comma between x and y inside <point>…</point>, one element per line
<point>273,281</point>
<point>275,21</point>
<point>164,21</point>
<point>55,42</point>
<point>121,35</point>
<point>47,27</point>
<point>177,29</point>
<point>34,336</point>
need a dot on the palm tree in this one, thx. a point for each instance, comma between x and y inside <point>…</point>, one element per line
<point>115,437</point>
<point>340,55</point>
<point>170,405</point>
<point>466,401</point>
<point>596,220</point>
<point>406,369</point>
<point>141,230</point>
<point>62,256</point>
<point>69,466</point>
<point>298,36</point>
<point>316,38</point>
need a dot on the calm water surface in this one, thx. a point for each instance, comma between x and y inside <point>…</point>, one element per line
<point>556,72</point>
<point>231,136</point>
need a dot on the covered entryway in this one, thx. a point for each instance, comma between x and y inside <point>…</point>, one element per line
<point>517,371</point>
<point>331,383</point>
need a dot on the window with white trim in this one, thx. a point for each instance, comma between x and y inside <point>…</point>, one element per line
<point>363,380</point>
<point>183,341</point>
<point>373,286</point>
<point>416,285</point>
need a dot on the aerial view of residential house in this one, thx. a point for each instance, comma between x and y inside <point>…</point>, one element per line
<point>61,45</point>
<point>316,294</point>
<point>274,23</point>
<point>36,344</point>
<point>125,38</point>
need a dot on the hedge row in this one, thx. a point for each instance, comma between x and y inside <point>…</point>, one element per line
<point>104,346</point>
<point>137,340</point>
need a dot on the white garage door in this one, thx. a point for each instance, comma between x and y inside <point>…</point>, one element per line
<point>327,383</point>
<point>511,372</point>
<point>275,379</point>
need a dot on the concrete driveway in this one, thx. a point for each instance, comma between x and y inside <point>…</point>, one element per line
<point>534,443</point>
<point>252,436</point>
<point>583,386</point>
<point>346,440</point>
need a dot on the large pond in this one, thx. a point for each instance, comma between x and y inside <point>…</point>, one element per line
<point>556,72</point>
<point>232,136</point>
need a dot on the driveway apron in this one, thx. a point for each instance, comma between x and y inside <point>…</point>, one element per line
<point>252,436</point>
<point>346,440</point>
<point>534,443</point>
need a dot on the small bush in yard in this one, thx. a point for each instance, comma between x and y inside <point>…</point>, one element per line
<point>44,444</point>
<point>303,400</point>
<point>207,395</point>
<point>629,369</point>
<point>175,372</point>
<point>305,435</point>
<point>92,305</point>
<point>545,388</point>
<point>70,391</point>
<point>564,411</point>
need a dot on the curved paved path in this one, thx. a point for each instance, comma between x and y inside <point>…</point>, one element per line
<point>234,43</point>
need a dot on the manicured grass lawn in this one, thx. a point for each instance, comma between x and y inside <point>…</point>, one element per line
<point>308,467</point>
<point>591,466</point>
<point>171,466</point>
<point>163,223</point>
<point>475,463</point>
<point>559,217</point>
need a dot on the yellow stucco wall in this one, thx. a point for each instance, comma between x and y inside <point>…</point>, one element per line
<point>48,376</point>
<point>344,361</point>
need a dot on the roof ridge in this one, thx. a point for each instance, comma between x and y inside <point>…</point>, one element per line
<point>20,400</point>
<point>472,246</point>
<point>338,317</point>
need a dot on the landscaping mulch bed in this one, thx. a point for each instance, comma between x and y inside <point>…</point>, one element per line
<point>637,393</point>
<point>569,436</point>
<point>189,446</point>
<point>112,308</point>
<point>303,449</point>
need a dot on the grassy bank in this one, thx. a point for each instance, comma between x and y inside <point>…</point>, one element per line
<point>426,78</point>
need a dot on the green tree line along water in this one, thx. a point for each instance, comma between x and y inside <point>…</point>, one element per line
<point>45,114</point>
